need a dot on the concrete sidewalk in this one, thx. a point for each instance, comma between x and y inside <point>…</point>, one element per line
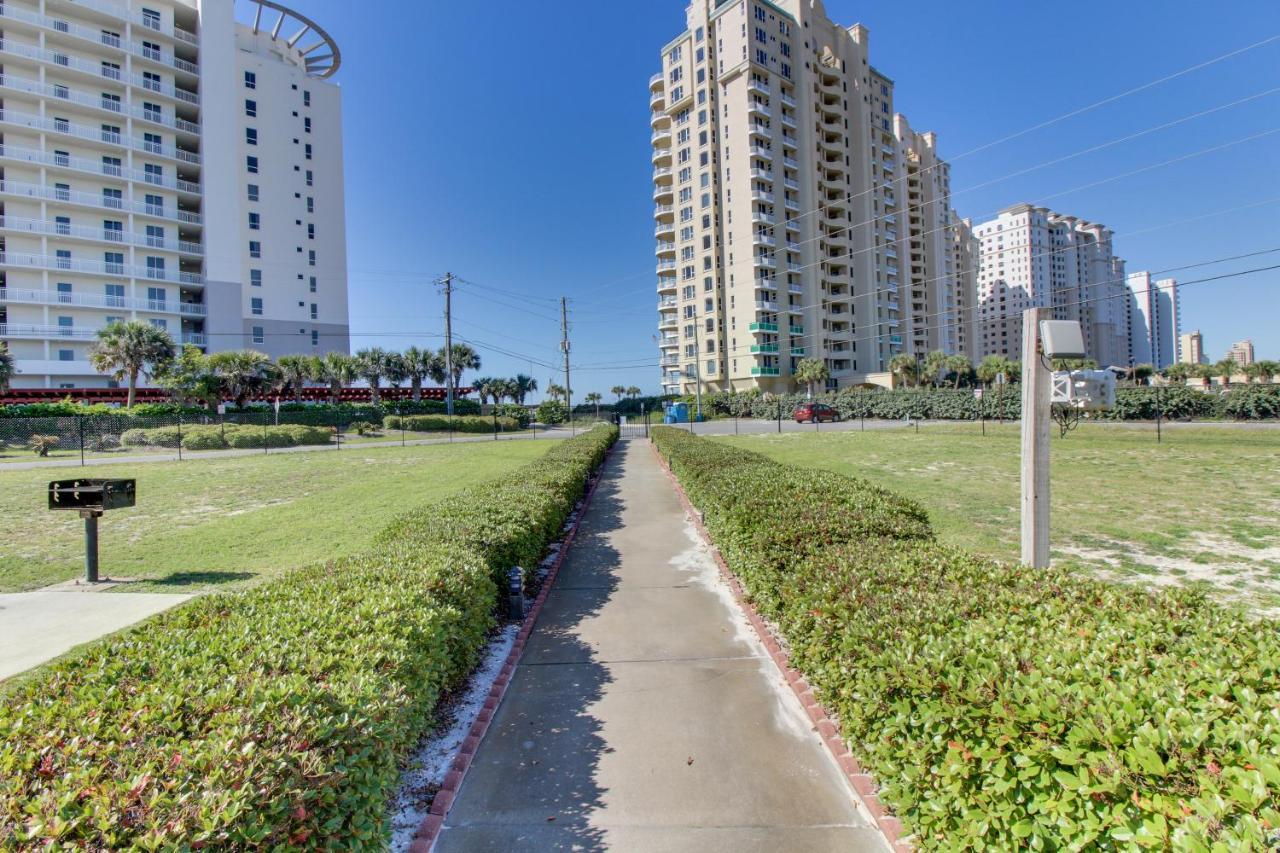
<point>645,715</point>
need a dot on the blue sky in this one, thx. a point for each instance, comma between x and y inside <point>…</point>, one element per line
<point>509,143</point>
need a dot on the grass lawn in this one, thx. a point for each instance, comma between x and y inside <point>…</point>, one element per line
<point>1202,506</point>
<point>216,523</point>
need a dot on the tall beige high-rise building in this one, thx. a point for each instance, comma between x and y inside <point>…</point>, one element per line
<point>1032,257</point>
<point>1241,352</point>
<point>797,215</point>
<point>1191,348</point>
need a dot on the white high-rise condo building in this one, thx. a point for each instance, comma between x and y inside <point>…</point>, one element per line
<point>1155,320</point>
<point>797,214</point>
<point>1032,257</point>
<point>164,162</point>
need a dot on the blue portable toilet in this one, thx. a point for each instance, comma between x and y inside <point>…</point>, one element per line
<point>677,413</point>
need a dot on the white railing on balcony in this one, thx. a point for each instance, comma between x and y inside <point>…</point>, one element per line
<point>97,300</point>
<point>788,100</point>
<point>665,246</point>
<point>663,209</point>
<point>760,151</point>
<point>655,79</point>
<point>790,162</point>
<point>794,267</point>
<point>27,330</point>
<point>760,109</point>
<point>666,265</point>
<point>763,239</point>
<point>759,127</point>
<point>789,139</point>
<point>795,287</point>
<point>757,86</point>
<point>792,204</point>
<point>96,167</point>
<point>96,134</point>
<point>788,121</point>
<point>791,184</point>
<point>81,265</point>
<point>762,305</point>
<point>661,172</point>
<point>661,135</point>
<point>762,174</point>
<point>98,233</point>
<point>793,245</point>
<point>97,102</point>
<point>91,200</point>
<point>98,37</point>
<point>759,195</point>
<point>766,261</point>
<point>761,216</point>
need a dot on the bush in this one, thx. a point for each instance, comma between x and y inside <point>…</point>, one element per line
<point>102,443</point>
<point>42,444</point>
<point>306,435</point>
<point>520,414</point>
<point>255,437</point>
<point>203,438</point>
<point>442,423</point>
<point>135,438</point>
<point>551,412</point>
<point>274,717</point>
<point>362,427</point>
<point>999,706</point>
<point>1252,402</point>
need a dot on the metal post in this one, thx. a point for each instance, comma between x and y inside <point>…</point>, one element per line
<point>179,436</point>
<point>448,346</point>
<point>1035,444</point>
<point>1159,412</point>
<point>779,417</point>
<point>264,434</point>
<point>80,426</point>
<point>337,428</point>
<point>495,423</point>
<point>735,421</point>
<point>863,416</point>
<point>90,545</point>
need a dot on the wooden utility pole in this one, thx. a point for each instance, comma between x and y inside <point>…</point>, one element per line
<point>448,342</point>
<point>564,347</point>
<point>1035,443</point>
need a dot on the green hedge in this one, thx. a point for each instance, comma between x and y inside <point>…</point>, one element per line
<point>1002,707</point>
<point>221,437</point>
<point>443,423</point>
<point>274,717</point>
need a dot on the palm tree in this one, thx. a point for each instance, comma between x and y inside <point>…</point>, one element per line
<point>991,367</point>
<point>8,367</point>
<point>129,349</point>
<point>484,386</point>
<point>397,370</point>
<point>510,388</point>
<point>1268,370</point>
<point>933,367</point>
<point>633,391</point>
<point>595,398</point>
<point>337,370</point>
<point>1177,372</point>
<point>371,366</point>
<point>524,386</point>
<point>618,391</point>
<point>295,370</point>
<point>959,366</point>
<point>903,365</point>
<point>811,371</point>
<point>241,373</point>
<point>464,358</point>
<point>1226,368</point>
<point>421,364</point>
<point>555,392</point>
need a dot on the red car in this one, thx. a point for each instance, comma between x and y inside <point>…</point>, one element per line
<point>815,412</point>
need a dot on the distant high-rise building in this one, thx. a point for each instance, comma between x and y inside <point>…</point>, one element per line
<point>1241,352</point>
<point>1032,257</point>
<point>1191,348</point>
<point>797,215</point>
<point>164,163</point>
<point>1154,319</point>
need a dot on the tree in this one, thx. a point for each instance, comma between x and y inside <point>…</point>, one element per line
<point>295,370</point>
<point>903,365</point>
<point>189,377</point>
<point>241,373</point>
<point>1177,372</point>
<point>420,364</point>
<point>485,386</point>
<point>371,366</point>
<point>1142,373</point>
<point>337,370</point>
<point>555,392</point>
<point>991,367</point>
<point>524,386</point>
<point>960,367</point>
<point>933,367</point>
<point>551,412</point>
<point>632,391</point>
<point>1226,368</point>
<point>1267,370</point>
<point>509,388</point>
<point>811,371</point>
<point>397,370</point>
<point>127,350</point>
<point>8,368</point>
<point>618,391</point>
<point>464,358</point>
<point>595,398</point>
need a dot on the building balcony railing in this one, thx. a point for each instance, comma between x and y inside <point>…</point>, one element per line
<point>664,228</point>
<point>96,134</point>
<point>666,284</point>
<point>58,194</point>
<point>81,265</point>
<point>766,261</point>
<point>96,300</point>
<point>664,247</point>
<point>662,210</point>
<point>666,302</point>
<point>762,174</point>
<point>655,80</point>
<point>795,309</point>
<point>666,265</point>
<point>763,239</point>
<point>94,69</point>
<point>797,330</point>
<point>96,167</point>
<point>764,349</point>
<point>95,102</point>
<point>661,137</point>
<point>788,121</point>
<point>661,172</point>
<point>105,39</point>
<point>760,195</point>
<point>760,151</point>
<point>766,371</point>
<point>761,216</point>
<point>764,305</point>
<point>795,287</point>
<point>38,332</point>
<point>763,328</point>
<point>757,108</point>
<point>790,162</point>
<point>98,234</point>
<point>758,86</point>
<point>669,361</point>
<point>797,351</point>
<point>791,183</point>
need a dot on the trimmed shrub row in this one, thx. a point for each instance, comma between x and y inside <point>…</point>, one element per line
<point>274,717</point>
<point>999,706</point>
<point>443,423</point>
<point>223,436</point>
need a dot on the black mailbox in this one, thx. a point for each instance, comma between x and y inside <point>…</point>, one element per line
<point>92,495</point>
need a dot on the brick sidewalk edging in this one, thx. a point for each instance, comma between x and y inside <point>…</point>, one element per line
<point>425,838</point>
<point>861,781</point>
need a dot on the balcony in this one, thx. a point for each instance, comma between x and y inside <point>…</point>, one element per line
<point>668,321</point>
<point>665,247</point>
<point>762,217</point>
<point>767,262</point>
<point>655,82</point>
<point>666,285</point>
<point>764,349</point>
<point>791,183</point>
<point>757,128</point>
<point>765,305</point>
<point>757,86</point>
<point>669,361</point>
<point>790,162</point>
<point>896,340</point>
<point>763,328</point>
<point>666,302</point>
<point>93,300</point>
<point>762,175</point>
<point>759,109</point>
<point>668,341</point>
<point>789,140</point>
<point>104,39</point>
<point>95,102</point>
<point>798,351</point>
<point>663,192</point>
<point>796,330</point>
<point>766,371</point>
<point>795,309</point>
<point>665,229</point>
<point>661,155</point>
<point>788,121</point>
<point>791,204</point>
<point>763,239</point>
<point>80,265</point>
<point>98,234</point>
<point>95,134</point>
<point>95,167</point>
<point>90,200</point>
<point>666,266</point>
<point>662,173</point>
<point>795,287</point>
<point>662,138</point>
<point>760,151</point>
<point>793,246</point>
<point>662,211</point>
<point>788,100</point>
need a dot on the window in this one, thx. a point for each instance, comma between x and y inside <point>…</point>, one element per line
<point>306,125</point>
<point>152,112</point>
<point>66,355</point>
<point>253,192</point>
<point>153,174</point>
<point>62,224</point>
<point>111,70</point>
<point>313,284</point>
<point>151,50</point>
<point>63,259</point>
<point>250,80</point>
<point>110,133</point>
<point>252,164</point>
<point>308,150</point>
<point>151,82</point>
<point>251,135</point>
<point>255,221</point>
<point>311,258</point>
<point>115,297</point>
<point>155,236</point>
<point>153,143</point>
<point>155,205</point>
<point>306,98</point>
<point>62,192</point>
<point>255,305</point>
<point>315,311</point>
<point>64,291</point>
<point>64,326</point>
<point>255,278</point>
<point>258,336</point>
<point>151,19</point>
<point>315,338</point>
<point>160,324</point>
<point>311,204</point>
<point>109,101</point>
<point>250,108</point>
<point>310,178</point>
<point>255,249</point>
<point>311,231</point>
<point>155,269</point>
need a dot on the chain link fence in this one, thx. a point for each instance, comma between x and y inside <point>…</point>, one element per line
<point>87,437</point>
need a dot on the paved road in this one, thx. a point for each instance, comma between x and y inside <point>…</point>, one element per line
<point>38,626</point>
<point>759,427</point>
<point>644,714</point>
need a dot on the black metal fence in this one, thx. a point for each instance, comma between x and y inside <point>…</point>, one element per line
<point>88,437</point>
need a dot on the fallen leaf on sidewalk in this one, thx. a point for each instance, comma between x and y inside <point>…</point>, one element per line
<point>690,761</point>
